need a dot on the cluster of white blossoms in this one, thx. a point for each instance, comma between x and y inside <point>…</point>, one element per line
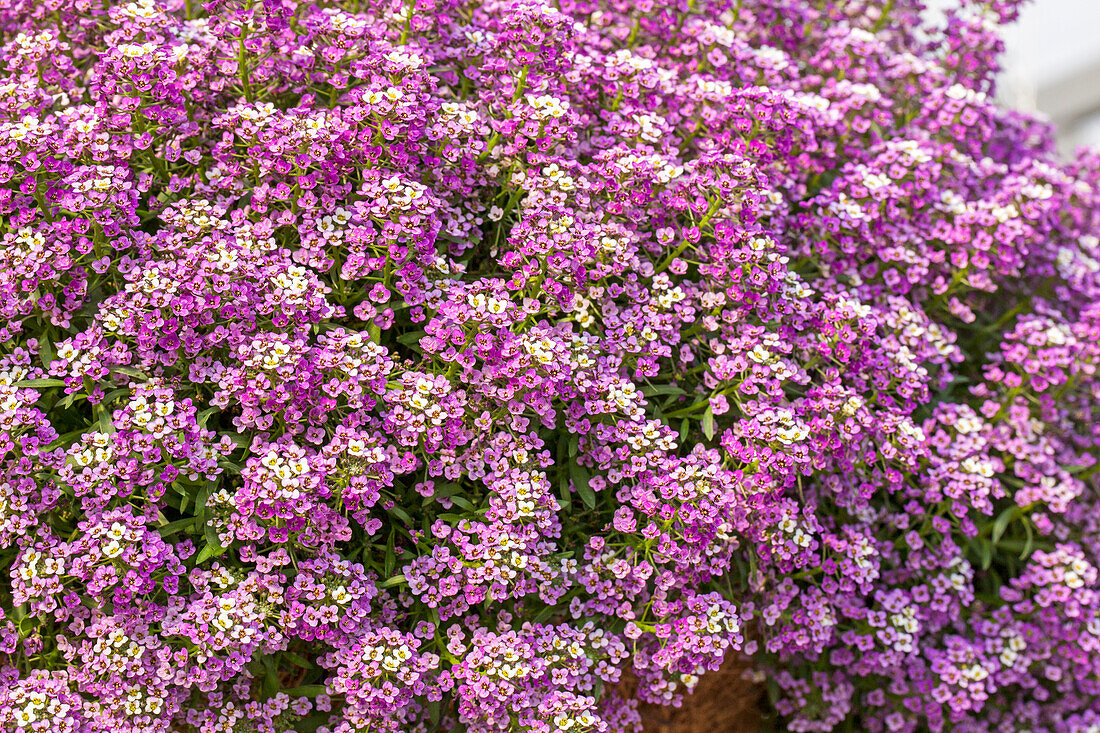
<point>1012,644</point>
<point>667,294</point>
<point>624,395</point>
<point>787,428</point>
<point>31,708</point>
<point>905,627</point>
<point>268,352</point>
<point>790,527</point>
<point>544,350</point>
<point>546,107</point>
<point>847,208</point>
<point>34,565</point>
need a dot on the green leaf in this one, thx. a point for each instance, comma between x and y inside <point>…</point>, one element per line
<point>311,723</point>
<point>985,553</point>
<point>1030,541</point>
<point>240,439</point>
<point>208,552</point>
<point>662,389</point>
<point>200,496</point>
<point>271,678</point>
<point>172,527</point>
<point>307,691</point>
<point>203,416</point>
<point>685,427</point>
<point>411,338</point>
<point>402,515</point>
<point>44,382</point>
<point>1002,522</point>
<point>564,493</point>
<point>390,560</point>
<point>395,580</point>
<point>708,423</point>
<point>544,614</point>
<point>129,371</point>
<point>213,546</point>
<point>104,420</point>
<point>296,660</point>
<point>442,491</point>
<point>463,503</point>
<point>45,351</point>
<point>581,479</point>
<point>114,394</point>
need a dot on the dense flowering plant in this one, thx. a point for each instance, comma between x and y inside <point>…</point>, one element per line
<point>416,365</point>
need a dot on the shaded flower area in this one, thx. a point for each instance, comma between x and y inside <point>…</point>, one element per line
<point>458,365</point>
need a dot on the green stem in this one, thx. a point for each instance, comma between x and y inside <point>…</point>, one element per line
<point>668,260</point>
<point>242,67</point>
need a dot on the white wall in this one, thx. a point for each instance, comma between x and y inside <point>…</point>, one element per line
<point>1052,65</point>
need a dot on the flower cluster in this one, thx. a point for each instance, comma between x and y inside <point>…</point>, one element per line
<point>497,365</point>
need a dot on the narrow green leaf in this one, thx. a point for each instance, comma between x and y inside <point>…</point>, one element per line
<point>564,493</point>
<point>544,614</point>
<point>985,553</point>
<point>172,527</point>
<point>390,559</point>
<point>296,660</point>
<point>213,546</point>
<point>463,502</point>
<point>208,552</point>
<point>43,382</point>
<point>390,582</point>
<point>104,420</point>
<point>662,389</point>
<point>129,371</point>
<point>581,483</point>
<point>442,491</point>
<point>114,394</point>
<point>45,351</point>
<point>311,723</point>
<point>271,678</point>
<point>242,440</point>
<point>203,416</point>
<point>402,515</point>
<point>1002,522</point>
<point>708,423</point>
<point>307,691</point>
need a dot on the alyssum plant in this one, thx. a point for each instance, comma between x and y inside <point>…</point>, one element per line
<point>429,365</point>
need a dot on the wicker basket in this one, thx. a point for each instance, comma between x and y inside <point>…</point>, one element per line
<point>726,701</point>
